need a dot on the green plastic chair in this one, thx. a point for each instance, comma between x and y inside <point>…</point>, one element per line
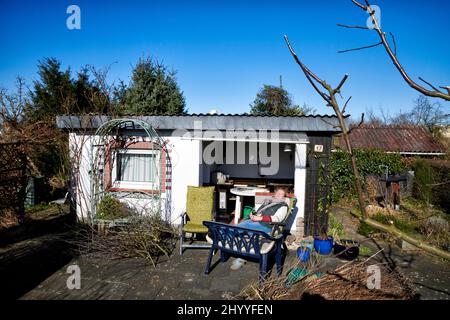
<point>199,208</point>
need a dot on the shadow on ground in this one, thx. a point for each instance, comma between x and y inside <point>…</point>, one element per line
<point>32,252</point>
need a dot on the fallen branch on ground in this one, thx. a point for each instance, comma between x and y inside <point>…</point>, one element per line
<point>142,237</point>
<point>350,283</point>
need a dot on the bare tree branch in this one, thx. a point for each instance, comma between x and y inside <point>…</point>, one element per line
<point>361,48</point>
<point>360,5</point>
<point>332,102</point>
<point>433,87</point>
<point>345,105</point>
<point>351,27</point>
<point>392,54</point>
<point>395,43</point>
<point>309,75</point>
<point>358,125</point>
<point>338,88</point>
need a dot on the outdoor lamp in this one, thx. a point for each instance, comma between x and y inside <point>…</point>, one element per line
<point>287,148</point>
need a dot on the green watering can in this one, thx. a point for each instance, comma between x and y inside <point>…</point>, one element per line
<point>246,212</point>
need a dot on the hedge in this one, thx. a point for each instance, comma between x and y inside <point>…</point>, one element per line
<point>368,162</point>
<point>440,182</point>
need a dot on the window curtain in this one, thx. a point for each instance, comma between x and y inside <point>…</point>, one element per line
<point>137,167</point>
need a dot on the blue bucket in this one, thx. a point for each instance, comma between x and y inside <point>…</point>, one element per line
<point>323,247</point>
<point>303,254</point>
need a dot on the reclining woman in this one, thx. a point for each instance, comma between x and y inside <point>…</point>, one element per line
<point>274,209</point>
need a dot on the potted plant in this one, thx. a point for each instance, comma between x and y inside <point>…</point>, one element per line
<point>346,249</point>
<point>110,210</point>
<point>323,243</point>
<point>303,254</point>
<point>304,250</point>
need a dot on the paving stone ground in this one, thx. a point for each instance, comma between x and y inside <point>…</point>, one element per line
<point>180,277</point>
<point>183,278</point>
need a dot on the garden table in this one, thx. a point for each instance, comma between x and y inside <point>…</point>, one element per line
<point>240,192</point>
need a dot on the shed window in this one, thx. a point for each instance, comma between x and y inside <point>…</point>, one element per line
<point>136,169</point>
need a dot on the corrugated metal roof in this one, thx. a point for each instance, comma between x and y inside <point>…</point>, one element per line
<point>403,139</point>
<point>274,137</point>
<point>323,123</point>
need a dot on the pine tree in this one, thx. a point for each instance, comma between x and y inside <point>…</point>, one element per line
<point>153,90</point>
<point>56,93</point>
<point>272,100</point>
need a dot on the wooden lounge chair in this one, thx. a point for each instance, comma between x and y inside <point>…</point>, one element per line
<point>199,208</point>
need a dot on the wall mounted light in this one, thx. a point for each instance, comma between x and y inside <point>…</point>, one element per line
<point>287,148</point>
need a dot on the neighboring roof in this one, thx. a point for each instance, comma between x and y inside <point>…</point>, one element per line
<point>322,123</point>
<point>402,139</point>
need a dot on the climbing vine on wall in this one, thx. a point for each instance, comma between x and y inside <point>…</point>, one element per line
<point>324,202</point>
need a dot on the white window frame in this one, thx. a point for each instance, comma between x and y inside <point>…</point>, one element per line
<point>130,184</point>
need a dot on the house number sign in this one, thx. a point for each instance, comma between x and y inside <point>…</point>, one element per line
<point>318,148</point>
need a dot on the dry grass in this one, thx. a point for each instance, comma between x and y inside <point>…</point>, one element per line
<point>281,288</point>
<point>350,283</point>
<point>347,282</point>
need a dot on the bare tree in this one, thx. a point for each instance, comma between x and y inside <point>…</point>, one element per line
<point>14,127</point>
<point>424,113</point>
<point>392,53</point>
<point>328,93</point>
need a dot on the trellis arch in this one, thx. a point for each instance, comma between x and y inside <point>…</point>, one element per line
<point>120,133</point>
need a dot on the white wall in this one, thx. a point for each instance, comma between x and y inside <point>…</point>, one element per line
<point>300,181</point>
<point>80,155</point>
<point>186,171</point>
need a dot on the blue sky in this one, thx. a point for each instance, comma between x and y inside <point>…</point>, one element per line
<point>224,51</point>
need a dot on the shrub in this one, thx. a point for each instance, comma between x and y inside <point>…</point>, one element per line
<point>373,188</point>
<point>335,227</point>
<point>441,183</point>
<point>109,208</point>
<point>423,180</point>
<point>367,230</point>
